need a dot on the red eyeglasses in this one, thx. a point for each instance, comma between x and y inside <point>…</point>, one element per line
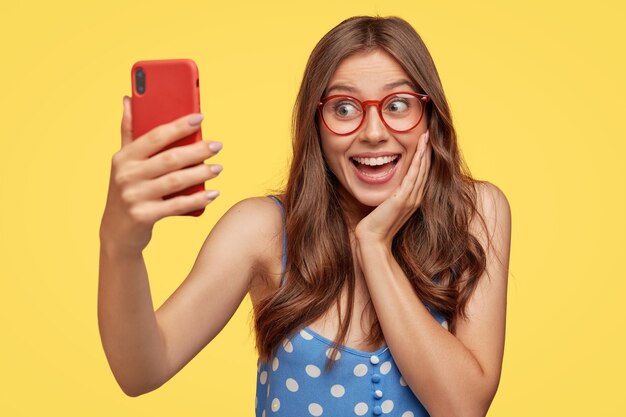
<point>400,112</point>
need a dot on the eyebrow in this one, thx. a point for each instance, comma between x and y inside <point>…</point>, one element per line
<point>389,86</point>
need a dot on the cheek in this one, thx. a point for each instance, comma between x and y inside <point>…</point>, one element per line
<point>409,144</point>
<point>328,152</point>
<point>333,161</point>
<point>332,149</point>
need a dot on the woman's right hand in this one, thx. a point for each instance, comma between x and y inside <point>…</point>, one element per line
<point>141,175</point>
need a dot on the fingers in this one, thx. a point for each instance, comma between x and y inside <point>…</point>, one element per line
<point>127,123</point>
<point>408,182</point>
<point>420,184</point>
<point>177,158</point>
<point>184,204</point>
<point>150,212</point>
<point>423,143</point>
<point>427,159</point>
<point>163,135</point>
<point>170,183</point>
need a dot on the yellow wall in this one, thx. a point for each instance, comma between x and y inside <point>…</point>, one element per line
<point>537,92</point>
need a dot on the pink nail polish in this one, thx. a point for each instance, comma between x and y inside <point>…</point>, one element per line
<point>215,146</point>
<point>195,119</point>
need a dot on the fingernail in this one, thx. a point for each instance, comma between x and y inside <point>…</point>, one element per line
<point>216,169</point>
<point>212,194</point>
<point>195,119</point>
<point>427,136</point>
<point>215,146</point>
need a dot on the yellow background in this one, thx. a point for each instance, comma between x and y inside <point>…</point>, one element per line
<point>537,93</point>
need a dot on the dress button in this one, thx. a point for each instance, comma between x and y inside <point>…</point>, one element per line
<point>375,378</point>
<point>379,393</point>
<point>374,359</point>
<point>377,410</point>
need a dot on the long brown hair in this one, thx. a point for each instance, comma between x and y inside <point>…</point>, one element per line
<point>435,249</point>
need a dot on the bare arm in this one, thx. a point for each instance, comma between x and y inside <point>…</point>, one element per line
<point>222,275</point>
<point>146,349</point>
<point>140,176</point>
<point>451,374</point>
<point>129,333</point>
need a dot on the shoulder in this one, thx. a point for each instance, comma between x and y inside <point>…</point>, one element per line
<point>491,197</point>
<point>260,216</point>
<point>261,205</point>
<point>493,205</point>
<point>259,224</point>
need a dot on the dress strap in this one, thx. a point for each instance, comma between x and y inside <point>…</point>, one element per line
<point>282,208</point>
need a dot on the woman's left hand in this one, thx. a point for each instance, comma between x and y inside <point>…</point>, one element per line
<point>382,224</point>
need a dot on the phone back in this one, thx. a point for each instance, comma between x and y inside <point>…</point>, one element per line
<point>167,90</point>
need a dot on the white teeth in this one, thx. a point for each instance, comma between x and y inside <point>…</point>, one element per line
<point>376,161</point>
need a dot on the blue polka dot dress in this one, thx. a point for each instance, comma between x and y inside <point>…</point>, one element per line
<point>294,384</point>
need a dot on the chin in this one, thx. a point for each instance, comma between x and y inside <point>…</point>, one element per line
<point>372,199</point>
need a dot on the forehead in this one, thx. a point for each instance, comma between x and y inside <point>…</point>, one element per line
<point>368,72</point>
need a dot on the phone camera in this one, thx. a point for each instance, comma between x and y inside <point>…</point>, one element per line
<point>140,80</point>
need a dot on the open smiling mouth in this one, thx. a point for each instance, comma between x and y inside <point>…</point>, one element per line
<point>381,168</point>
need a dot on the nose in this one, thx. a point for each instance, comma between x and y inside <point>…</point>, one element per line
<point>373,129</point>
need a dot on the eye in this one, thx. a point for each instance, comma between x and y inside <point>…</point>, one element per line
<point>345,109</point>
<point>398,105</point>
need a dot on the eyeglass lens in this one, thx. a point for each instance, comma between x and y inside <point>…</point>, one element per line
<point>344,114</point>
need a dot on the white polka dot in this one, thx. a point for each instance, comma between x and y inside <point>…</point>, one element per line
<point>329,352</point>
<point>387,406</point>
<point>360,370</point>
<point>315,409</point>
<point>268,391</point>
<point>263,377</point>
<point>444,324</point>
<point>313,371</point>
<point>292,384</point>
<point>287,346</point>
<point>408,414</point>
<point>360,409</point>
<point>263,415</point>
<point>337,390</point>
<point>275,364</point>
<point>275,404</point>
<point>385,368</point>
<point>305,335</point>
<point>402,381</point>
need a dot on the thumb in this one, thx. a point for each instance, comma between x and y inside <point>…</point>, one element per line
<point>127,123</point>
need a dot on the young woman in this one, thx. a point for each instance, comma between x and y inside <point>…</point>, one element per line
<point>378,276</point>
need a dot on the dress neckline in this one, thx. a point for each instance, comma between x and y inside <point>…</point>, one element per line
<point>344,348</point>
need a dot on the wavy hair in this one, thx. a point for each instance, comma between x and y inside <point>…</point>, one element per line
<point>441,258</point>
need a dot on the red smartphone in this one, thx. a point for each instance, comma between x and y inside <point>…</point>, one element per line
<point>164,90</point>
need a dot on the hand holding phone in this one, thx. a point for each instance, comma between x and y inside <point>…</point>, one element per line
<point>164,90</point>
<point>147,169</point>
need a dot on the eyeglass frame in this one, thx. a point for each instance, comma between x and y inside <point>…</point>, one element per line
<point>423,98</point>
